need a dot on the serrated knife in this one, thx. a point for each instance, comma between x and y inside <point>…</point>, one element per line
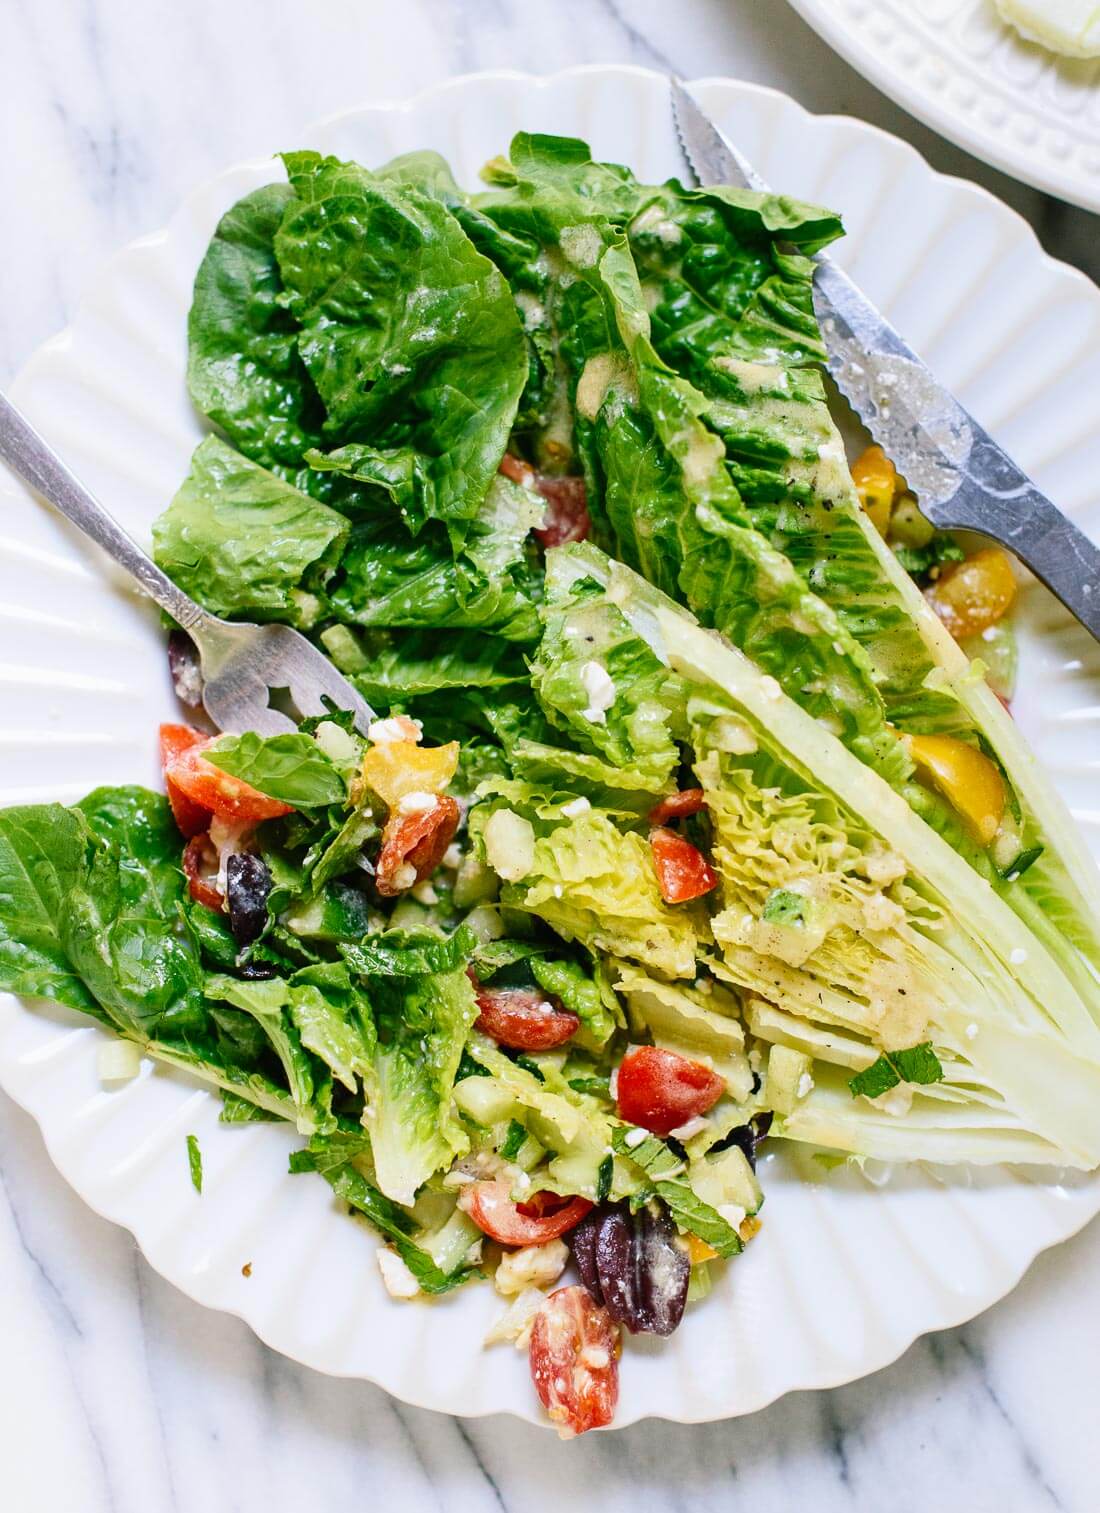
<point>961,477</point>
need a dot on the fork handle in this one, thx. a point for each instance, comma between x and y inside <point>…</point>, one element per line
<point>38,464</point>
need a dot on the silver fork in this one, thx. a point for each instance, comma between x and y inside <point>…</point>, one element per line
<point>242,665</point>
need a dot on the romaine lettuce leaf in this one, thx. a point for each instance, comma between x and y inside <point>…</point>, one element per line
<point>243,542</point>
<point>410,334</point>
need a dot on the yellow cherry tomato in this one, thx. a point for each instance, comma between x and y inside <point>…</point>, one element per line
<point>699,1250</point>
<point>971,596</point>
<point>395,769</point>
<point>966,777</point>
<point>876,481</point>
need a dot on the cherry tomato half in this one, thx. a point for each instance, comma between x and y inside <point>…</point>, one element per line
<point>678,806</point>
<point>490,1206</point>
<point>200,867</point>
<point>517,470</point>
<point>567,516</point>
<point>415,841</point>
<point>212,789</point>
<point>683,872</point>
<point>523,1018</point>
<point>660,1090</point>
<point>191,818</point>
<point>574,1361</point>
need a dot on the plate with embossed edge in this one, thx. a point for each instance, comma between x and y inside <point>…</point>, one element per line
<point>845,1274</point>
<point>970,76</point>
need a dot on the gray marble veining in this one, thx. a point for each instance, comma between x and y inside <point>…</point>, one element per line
<point>119,1395</point>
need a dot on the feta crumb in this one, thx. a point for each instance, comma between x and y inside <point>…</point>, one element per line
<point>397,728</point>
<point>634,1138</point>
<point>396,1276</point>
<point>805,1085</point>
<point>972,1032</point>
<point>575,807</point>
<point>1017,956</point>
<point>597,684</point>
<point>595,1357</point>
<point>424,893</point>
<point>770,688</point>
<point>692,1126</point>
<point>559,891</point>
<point>882,913</point>
<point>452,857</point>
<point>532,1266</point>
<point>404,876</point>
<point>416,803</point>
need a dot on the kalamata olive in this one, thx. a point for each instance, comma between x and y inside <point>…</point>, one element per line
<point>663,1269</point>
<point>583,1243</point>
<point>746,1137</point>
<point>183,664</point>
<point>248,882</point>
<point>616,1265</point>
<point>635,1265</point>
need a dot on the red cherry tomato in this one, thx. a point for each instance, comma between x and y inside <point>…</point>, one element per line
<point>517,470</point>
<point>678,806</point>
<point>415,840</point>
<point>683,872</point>
<point>212,789</point>
<point>200,866</point>
<point>191,818</point>
<point>490,1206</point>
<point>574,1361</point>
<point>567,516</point>
<point>660,1090</point>
<point>523,1018</point>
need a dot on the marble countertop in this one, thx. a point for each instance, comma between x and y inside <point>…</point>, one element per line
<point>119,1395</point>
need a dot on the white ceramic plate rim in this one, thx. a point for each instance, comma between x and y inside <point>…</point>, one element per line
<point>887,1345</point>
<point>935,111</point>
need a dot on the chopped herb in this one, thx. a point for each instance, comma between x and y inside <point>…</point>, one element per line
<point>194,1160</point>
<point>918,1064</point>
<point>918,561</point>
<point>514,1141</point>
<point>599,1087</point>
<point>530,1066</point>
<point>603,1179</point>
<point>1021,863</point>
<point>784,907</point>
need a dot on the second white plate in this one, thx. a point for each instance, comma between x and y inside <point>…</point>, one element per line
<point>845,1274</point>
<point>972,77</point>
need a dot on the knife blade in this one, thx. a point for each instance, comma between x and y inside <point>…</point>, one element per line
<point>961,477</point>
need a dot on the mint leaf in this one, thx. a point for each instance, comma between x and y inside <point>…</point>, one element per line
<point>918,1064</point>
<point>290,767</point>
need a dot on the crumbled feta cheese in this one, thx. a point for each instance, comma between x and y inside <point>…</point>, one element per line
<point>452,857</point>
<point>1017,956</point>
<point>597,684</point>
<point>972,1032</point>
<point>416,803</point>
<point>396,1276</point>
<point>634,1138</point>
<point>882,867</point>
<point>595,1357</point>
<point>693,1126</point>
<point>425,894</point>
<point>575,807</point>
<point>559,891</point>
<point>805,1085</point>
<point>404,875</point>
<point>532,1266</point>
<point>770,688</point>
<point>397,728</point>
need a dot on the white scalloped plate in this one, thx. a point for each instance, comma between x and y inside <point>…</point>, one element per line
<point>844,1275</point>
<point>958,66</point>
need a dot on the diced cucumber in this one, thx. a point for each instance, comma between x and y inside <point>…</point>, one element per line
<point>336,913</point>
<point>726,1178</point>
<point>475,883</point>
<point>699,1282</point>
<point>786,1087</point>
<point>448,1245</point>
<point>485,1101</point>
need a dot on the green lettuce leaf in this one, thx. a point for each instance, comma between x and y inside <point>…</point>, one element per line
<point>410,334</point>
<point>291,767</point>
<point>243,542</point>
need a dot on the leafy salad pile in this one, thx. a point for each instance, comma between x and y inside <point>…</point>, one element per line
<point>683,819</point>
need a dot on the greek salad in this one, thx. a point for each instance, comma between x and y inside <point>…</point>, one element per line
<point>693,816</point>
